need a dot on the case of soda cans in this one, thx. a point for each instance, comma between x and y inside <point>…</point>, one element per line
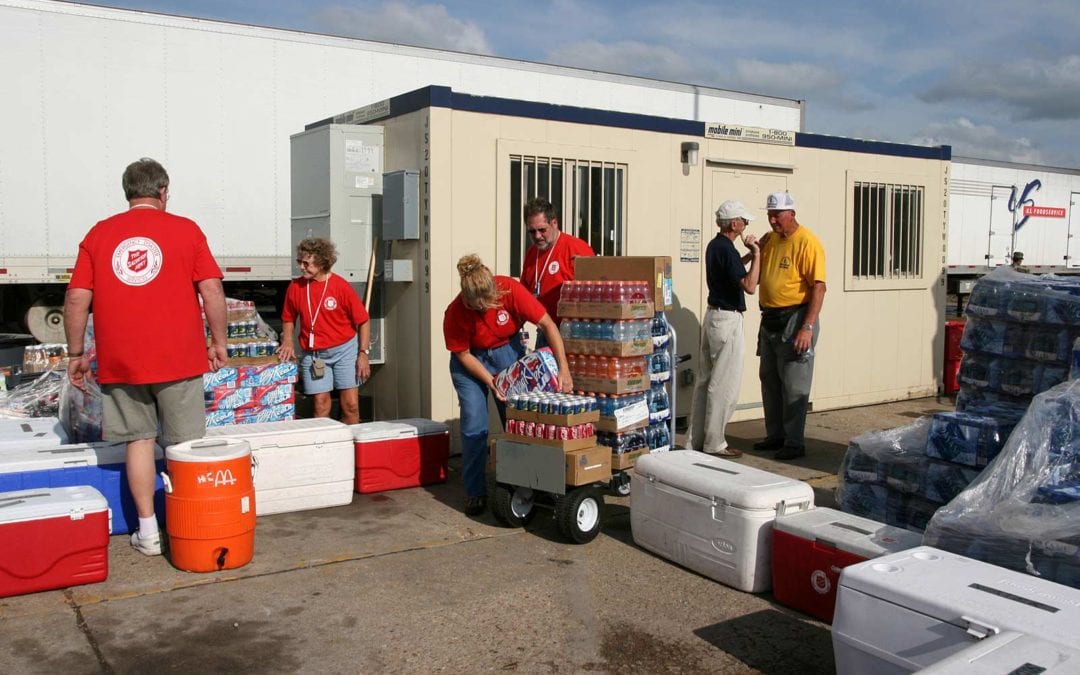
<point>534,372</point>
<point>55,538</point>
<point>250,394</point>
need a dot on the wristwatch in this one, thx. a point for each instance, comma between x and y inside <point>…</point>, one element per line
<point>366,351</point>
<point>808,326</point>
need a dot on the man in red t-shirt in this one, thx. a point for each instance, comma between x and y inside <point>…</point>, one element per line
<point>145,271</point>
<point>550,260</point>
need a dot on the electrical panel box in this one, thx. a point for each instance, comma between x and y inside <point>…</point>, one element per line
<point>401,205</point>
<point>398,270</point>
<point>337,178</point>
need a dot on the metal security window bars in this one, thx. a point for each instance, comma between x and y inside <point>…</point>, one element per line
<point>888,231</point>
<point>591,196</point>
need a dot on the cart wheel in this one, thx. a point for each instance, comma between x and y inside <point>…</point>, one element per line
<point>514,506</point>
<point>620,484</point>
<point>578,514</point>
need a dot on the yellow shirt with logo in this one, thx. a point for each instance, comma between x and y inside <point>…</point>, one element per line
<point>789,268</point>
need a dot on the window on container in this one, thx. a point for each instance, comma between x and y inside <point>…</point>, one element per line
<point>887,232</point>
<point>591,196</point>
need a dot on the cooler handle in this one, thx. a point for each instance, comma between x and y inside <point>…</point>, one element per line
<point>254,466</point>
<point>209,442</point>
<point>167,482</point>
<point>978,629</point>
<point>784,506</point>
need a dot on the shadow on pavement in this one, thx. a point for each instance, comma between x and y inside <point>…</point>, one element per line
<point>795,645</point>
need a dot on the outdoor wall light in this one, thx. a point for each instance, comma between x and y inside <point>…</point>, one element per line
<point>688,153</point>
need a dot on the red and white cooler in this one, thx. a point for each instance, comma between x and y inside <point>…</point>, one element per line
<point>400,454</point>
<point>300,464</point>
<point>52,538</point>
<point>712,515</point>
<point>811,548</point>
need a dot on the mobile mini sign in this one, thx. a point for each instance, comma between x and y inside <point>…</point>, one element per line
<point>735,132</point>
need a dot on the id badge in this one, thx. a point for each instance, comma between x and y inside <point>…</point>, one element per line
<point>311,340</point>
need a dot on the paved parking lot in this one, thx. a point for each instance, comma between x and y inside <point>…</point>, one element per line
<point>404,582</point>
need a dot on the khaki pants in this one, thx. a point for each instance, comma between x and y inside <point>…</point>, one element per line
<point>719,376</point>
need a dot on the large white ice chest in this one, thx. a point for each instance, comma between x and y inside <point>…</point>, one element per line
<point>711,515</point>
<point>1009,653</point>
<point>909,610</point>
<point>299,464</point>
<point>31,432</point>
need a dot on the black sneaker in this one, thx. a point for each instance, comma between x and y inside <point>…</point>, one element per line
<point>791,452</point>
<point>769,445</point>
<point>474,506</point>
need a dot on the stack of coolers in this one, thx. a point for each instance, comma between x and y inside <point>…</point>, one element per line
<point>903,476</point>
<point>250,394</point>
<point>927,608</point>
<point>565,421</point>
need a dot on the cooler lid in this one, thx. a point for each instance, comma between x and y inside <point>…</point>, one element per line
<point>1009,652</point>
<point>208,450</point>
<point>404,428</point>
<point>711,477</point>
<point>64,456</point>
<point>32,432</point>
<point>970,594</point>
<point>848,532</point>
<point>286,433</point>
<point>23,505</point>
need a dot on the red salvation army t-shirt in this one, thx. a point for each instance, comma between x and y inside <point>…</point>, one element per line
<point>465,328</point>
<point>340,312</point>
<point>142,266</point>
<point>552,267</point>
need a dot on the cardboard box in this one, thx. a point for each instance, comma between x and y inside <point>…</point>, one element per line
<point>627,460</point>
<point>603,385</point>
<point>590,465</point>
<point>606,310</point>
<point>611,425</point>
<point>642,347</point>
<point>568,445</point>
<point>560,420</point>
<point>654,269</point>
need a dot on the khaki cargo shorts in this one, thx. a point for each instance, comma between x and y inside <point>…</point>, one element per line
<point>132,412</point>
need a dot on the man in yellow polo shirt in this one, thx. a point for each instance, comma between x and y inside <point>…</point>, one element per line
<point>792,291</point>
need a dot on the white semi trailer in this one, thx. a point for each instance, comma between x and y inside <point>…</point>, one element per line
<point>998,208</point>
<point>89,89</point>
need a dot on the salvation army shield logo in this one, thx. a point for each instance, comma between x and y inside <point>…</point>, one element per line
<point>330,303</point>
<point>137,261</point>
<point>553,268</point>
<point>502,317</point>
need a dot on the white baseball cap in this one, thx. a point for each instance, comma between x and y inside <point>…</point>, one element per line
<point>732,209</point>
<point>780,201</point>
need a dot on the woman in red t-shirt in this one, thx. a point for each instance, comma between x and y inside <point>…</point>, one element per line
<point>335,336</point>
<point>481,330</point>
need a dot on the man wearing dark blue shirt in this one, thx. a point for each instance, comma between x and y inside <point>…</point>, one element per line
<point>722,345</point>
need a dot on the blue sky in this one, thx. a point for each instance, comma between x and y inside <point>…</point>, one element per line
<point>994,79</point>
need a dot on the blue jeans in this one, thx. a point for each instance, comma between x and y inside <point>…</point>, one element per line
<point>473,398</point>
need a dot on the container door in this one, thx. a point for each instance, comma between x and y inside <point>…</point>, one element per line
<point>1072,255</point>
<point>1001,227</point>
<point>751,187</point>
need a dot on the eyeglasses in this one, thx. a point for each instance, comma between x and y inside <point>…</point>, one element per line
<point>305,263</point>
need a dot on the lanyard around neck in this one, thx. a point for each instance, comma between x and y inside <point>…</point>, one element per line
<point>315,315</point>
<point>538,273</point>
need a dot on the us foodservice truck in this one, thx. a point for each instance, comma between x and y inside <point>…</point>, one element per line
<point>90,89</point>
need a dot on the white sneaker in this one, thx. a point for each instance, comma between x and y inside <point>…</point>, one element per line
<point>146,545</point>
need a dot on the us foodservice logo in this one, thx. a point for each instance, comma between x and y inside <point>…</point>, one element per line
<point>137,261</point>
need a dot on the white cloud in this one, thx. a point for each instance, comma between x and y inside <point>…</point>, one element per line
<point>1034,90</point>
<point>424,25</point>
<point>982,141</point>
<point>627,57</point>
<point>807,81</point>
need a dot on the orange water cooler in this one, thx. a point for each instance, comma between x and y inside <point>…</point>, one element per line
<point>210,504</point>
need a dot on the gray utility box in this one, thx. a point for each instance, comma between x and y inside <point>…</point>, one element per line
<point>401,205</point>
<point>337,179</point>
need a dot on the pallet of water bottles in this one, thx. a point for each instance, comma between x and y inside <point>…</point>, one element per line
<point>547,418</point>
<point>606,300</point>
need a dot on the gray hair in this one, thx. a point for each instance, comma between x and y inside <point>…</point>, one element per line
<point>144,178</point>
<point>726,223</point>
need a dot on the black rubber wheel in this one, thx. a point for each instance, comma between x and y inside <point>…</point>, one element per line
<point>514,506</point>
<point>620,483</point>
<point>578,514</point>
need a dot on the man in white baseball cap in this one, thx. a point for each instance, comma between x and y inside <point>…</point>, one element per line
<point>722,343</point>
<point>792,292</point>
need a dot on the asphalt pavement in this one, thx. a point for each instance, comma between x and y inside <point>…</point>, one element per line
<point>403,581</point>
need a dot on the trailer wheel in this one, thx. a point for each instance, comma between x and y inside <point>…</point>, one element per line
<point>620,483</point>
<point>578,514</point>
<point>514,506</point>
<point>45,319</point>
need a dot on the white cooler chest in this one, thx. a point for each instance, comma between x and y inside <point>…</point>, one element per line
<point>299,464</point>
<point>1009,654</point>
<point>909,610</point>
<point>31,432</point>
<point>711,515</point>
